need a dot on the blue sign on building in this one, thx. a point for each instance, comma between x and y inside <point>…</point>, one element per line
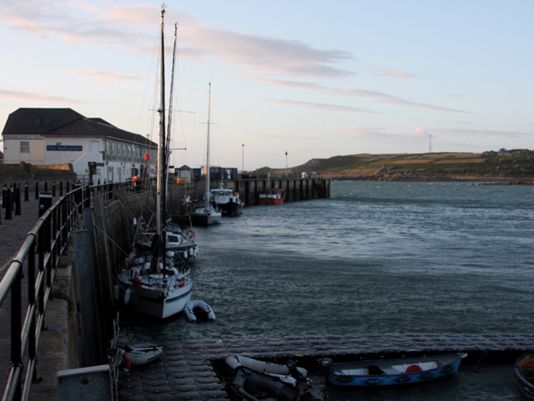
<point>65,148</point>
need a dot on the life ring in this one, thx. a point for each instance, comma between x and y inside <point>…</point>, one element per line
<point>190,235</point>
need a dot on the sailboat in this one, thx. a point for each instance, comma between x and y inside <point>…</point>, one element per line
<point>205,214</point>
<point>152,284</point>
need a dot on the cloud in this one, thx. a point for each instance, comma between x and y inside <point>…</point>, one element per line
<point>375,95</point>
<point>135,27</point>
<point>482,133</point>
<point>29,96</point>
<point>389,72</point>
<point>324,106</point>
<point>368,133</point>
<point>106,76</point>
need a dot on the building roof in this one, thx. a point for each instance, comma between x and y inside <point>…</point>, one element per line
<point>65,122</point>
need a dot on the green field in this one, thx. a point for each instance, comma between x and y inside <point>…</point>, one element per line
<point>504,165</point>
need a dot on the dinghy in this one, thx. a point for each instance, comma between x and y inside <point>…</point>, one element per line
<point>253,377</point>
<point>196,310</point>
<point>388,372</point>
<point>141,354</point>
<point>524,372</point>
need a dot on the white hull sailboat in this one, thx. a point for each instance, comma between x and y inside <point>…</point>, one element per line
<point>151,284</point>
<point>205,214</point>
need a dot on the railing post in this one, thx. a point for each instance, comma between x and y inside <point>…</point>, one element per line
<point>87,196</point>
<point>32,338</point>
<point>16,327</point>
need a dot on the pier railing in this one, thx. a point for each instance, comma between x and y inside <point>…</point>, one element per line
<point>34,267</point>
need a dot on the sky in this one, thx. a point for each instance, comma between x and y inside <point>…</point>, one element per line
<point>312,79</point>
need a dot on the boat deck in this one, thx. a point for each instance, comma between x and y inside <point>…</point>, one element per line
<point>186,370</point>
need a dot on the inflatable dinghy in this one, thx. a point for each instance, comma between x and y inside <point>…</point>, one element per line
<point>253,377</point>
<point>141,354</point>
<point>196,310</point>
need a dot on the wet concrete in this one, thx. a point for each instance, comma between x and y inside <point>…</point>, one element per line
<point>186,370</point>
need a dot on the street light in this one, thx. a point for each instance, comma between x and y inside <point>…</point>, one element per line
<point>287,169</point>
<point>242,157</point>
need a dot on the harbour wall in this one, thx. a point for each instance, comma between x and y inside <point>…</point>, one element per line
<point>249,189</point>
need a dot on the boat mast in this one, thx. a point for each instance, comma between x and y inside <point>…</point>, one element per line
<point>208,152</point>
<point>169,117</point>
<point>160,184</point>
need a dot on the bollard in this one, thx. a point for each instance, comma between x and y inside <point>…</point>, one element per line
<point>46,186</point>
<point>18,210</point>
<point>68,186</point>
<point>54,189</point>
<point>9,204</point>
<point>36,190</point>
<point>4,193</point>
<point>60,188</point>
<point>26,192</point>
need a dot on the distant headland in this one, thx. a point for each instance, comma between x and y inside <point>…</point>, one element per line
<point>504,166</point>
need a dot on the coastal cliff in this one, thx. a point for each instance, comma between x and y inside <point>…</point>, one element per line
<point>505,166</point>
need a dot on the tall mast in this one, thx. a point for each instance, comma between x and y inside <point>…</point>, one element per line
<point>208,151</point>
<point>160,198</point>
<point>169,122</point>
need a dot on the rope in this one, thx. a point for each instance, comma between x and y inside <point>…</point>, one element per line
<point>110,239</point>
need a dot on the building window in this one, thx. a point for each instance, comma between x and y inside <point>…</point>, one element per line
<point>24,147</point>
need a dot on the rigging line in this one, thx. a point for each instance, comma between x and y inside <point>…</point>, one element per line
<point>103,231</point>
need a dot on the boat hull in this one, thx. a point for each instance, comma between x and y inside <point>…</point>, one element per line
<point>524,373</point>
<point>361,374</point>
<point>155,302</point>
<point>230,209</point>
<point>203,219</point>
<point>270,201</point>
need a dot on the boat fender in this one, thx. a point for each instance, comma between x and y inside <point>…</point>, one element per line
<point>126,362</point>
<point>189,234</point>
<point>127,296</point>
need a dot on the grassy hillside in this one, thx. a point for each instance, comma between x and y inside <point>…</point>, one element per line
<point>514,165</point>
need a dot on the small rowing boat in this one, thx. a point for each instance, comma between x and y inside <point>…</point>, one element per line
<point>394,371</point>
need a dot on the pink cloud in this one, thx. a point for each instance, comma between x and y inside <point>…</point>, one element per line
<point>389,72</point>
<point>375,95</point>
<point>324,106</point>
<point>127,26</point>
<point>106,76</point>
<point>31,96</point>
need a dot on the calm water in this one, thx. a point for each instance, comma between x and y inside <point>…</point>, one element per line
<point>376,257</point>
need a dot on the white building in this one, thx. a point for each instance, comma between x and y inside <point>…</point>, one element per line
<point>96,149</point>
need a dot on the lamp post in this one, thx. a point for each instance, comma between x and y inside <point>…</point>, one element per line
<point>242,158</point>
<point>287,169</point>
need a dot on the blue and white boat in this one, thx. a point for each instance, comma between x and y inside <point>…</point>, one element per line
<point>389,372</point>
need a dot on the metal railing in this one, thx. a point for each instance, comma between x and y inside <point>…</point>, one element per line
<point>40,254</point>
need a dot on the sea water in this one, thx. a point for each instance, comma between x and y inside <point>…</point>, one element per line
<point>376,257</point>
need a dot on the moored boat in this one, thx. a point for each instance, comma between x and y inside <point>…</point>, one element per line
<point>141,354</point>
<point>275,197</point>
<point>157,291</point>
<point>197,309</point>
<point>394,371</point>
<point>152,283</point>
<point>227,201</point>
<point>181,242</point>
<point>254,379</point>
<point>524,372</point>
<point>204,214</point>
